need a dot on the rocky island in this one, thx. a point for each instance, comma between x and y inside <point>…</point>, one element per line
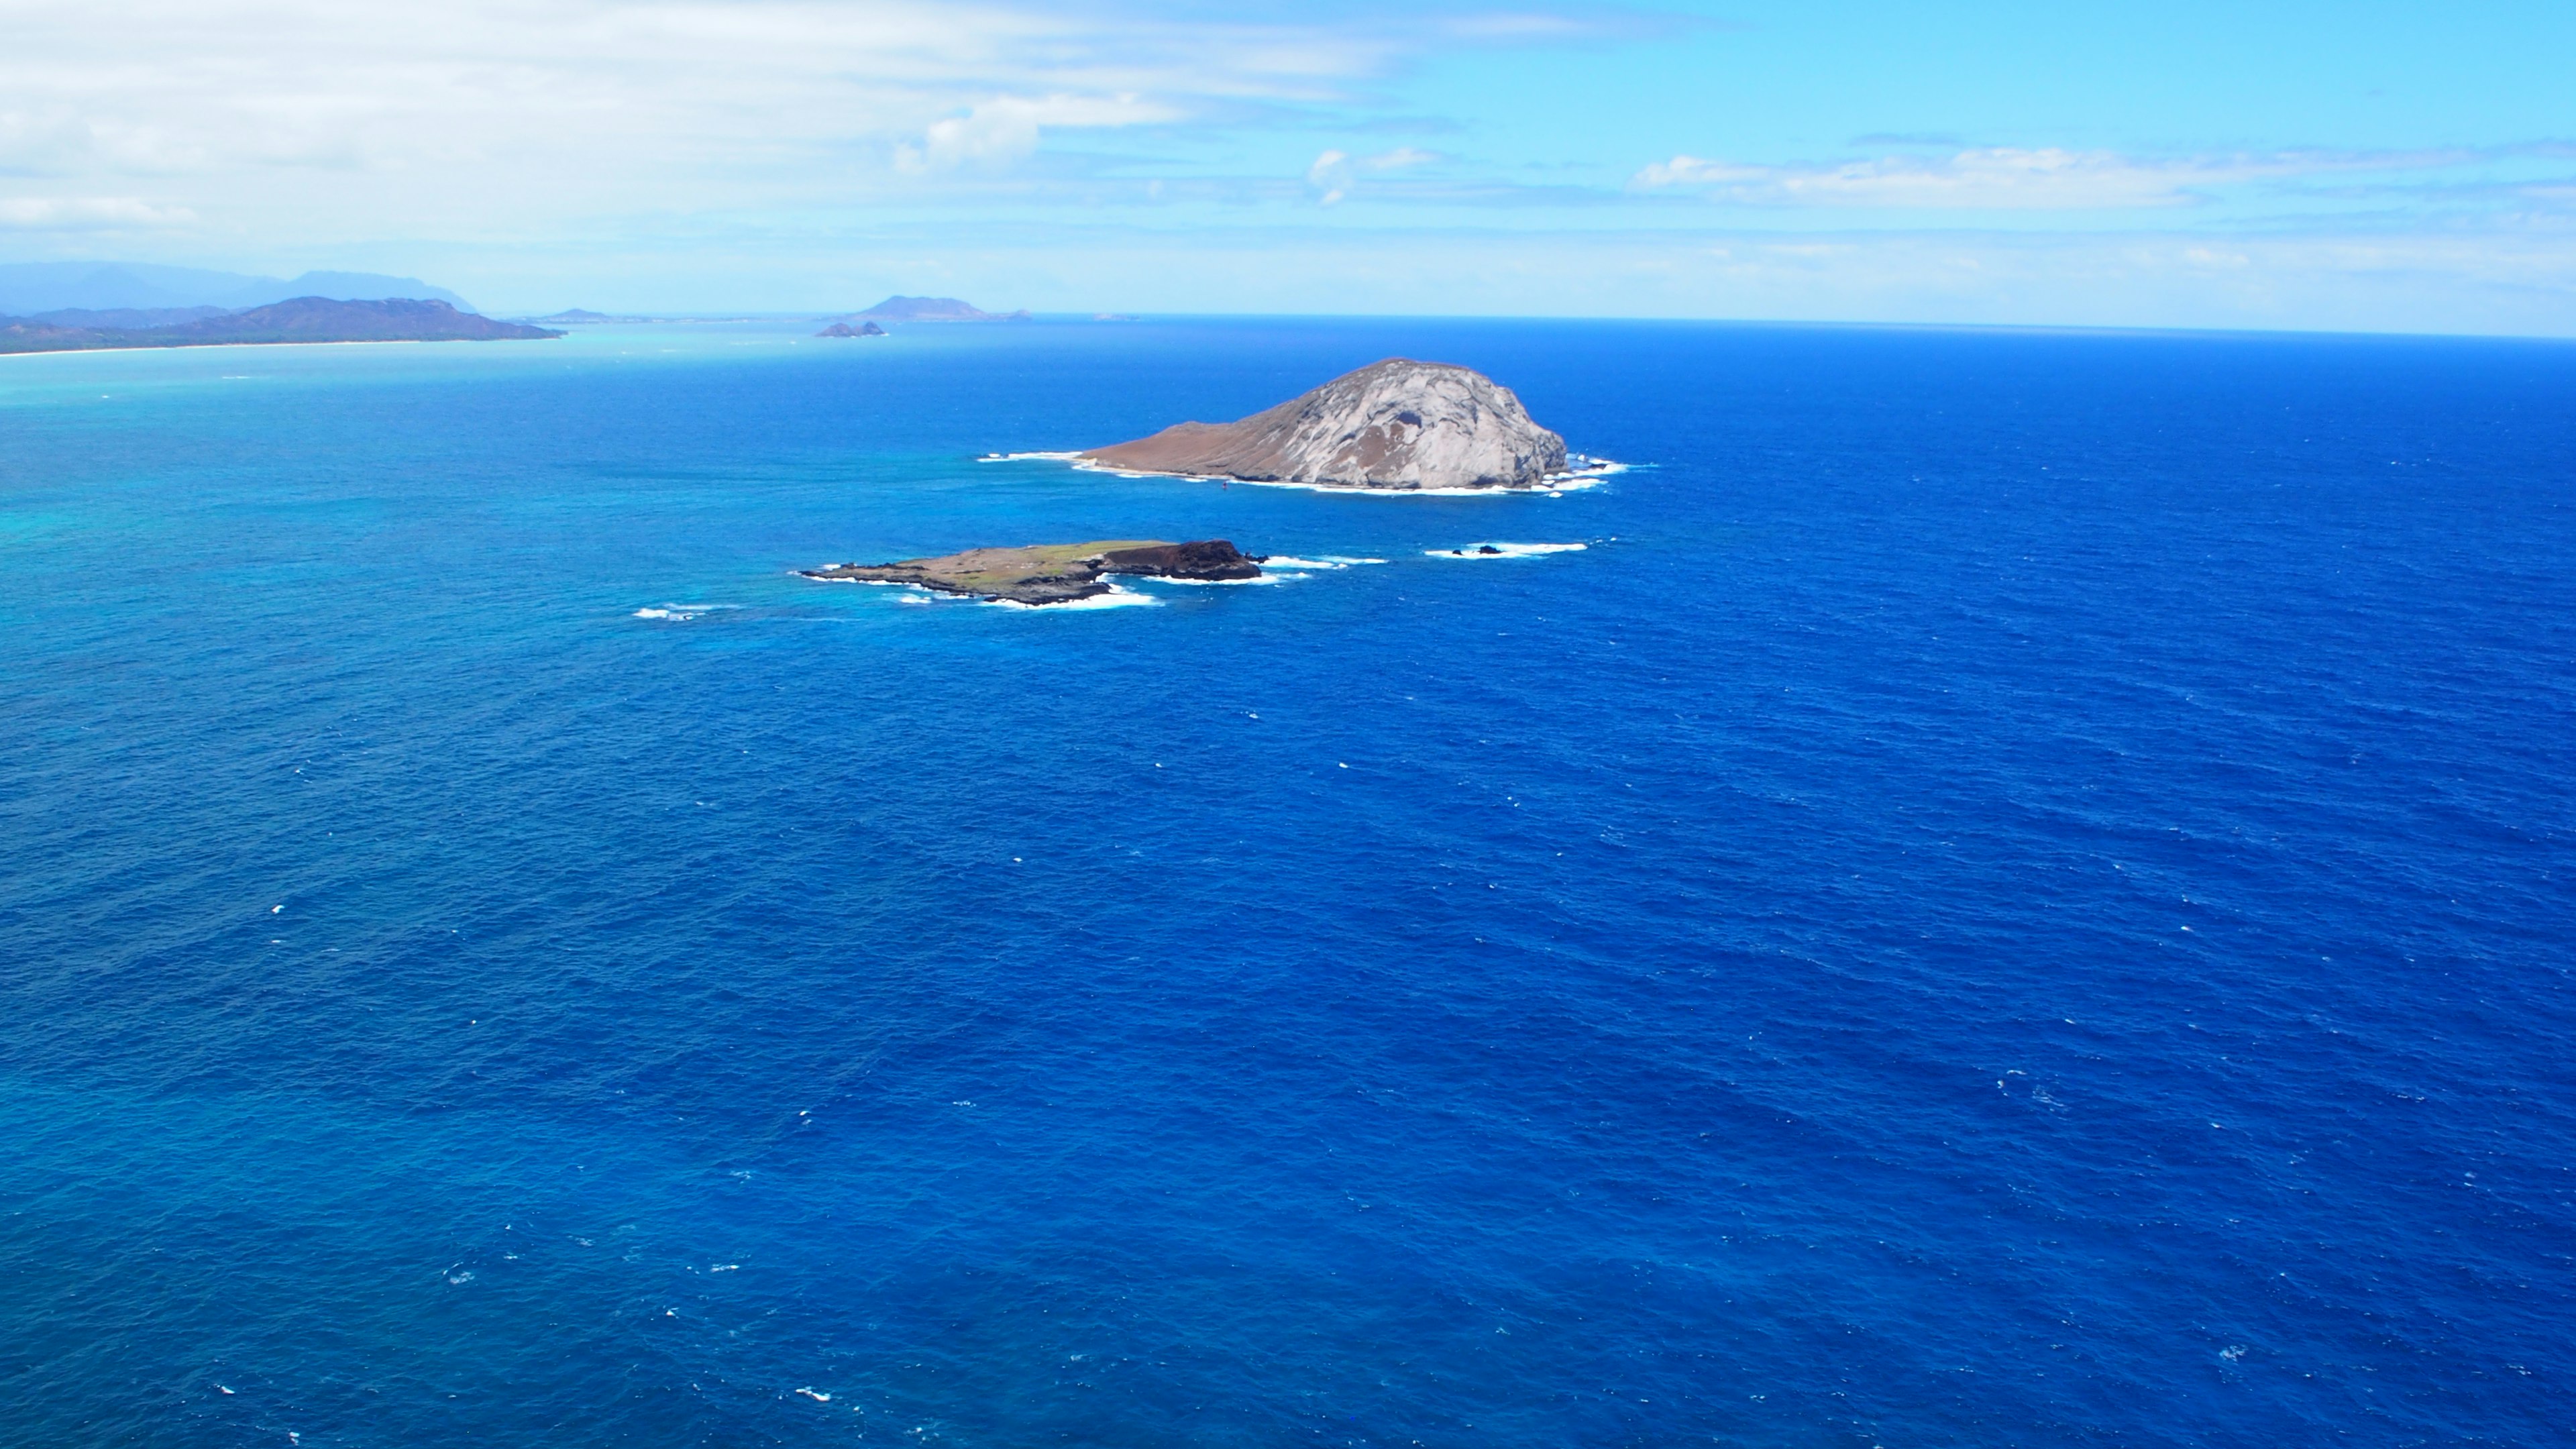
<point>933,309</point>
<point>1397,424</point>
<point>844,329</point>
<point>1052,573</point>
<point>299,319</point>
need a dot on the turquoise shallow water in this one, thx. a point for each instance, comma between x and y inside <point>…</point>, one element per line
<point>2016,892</point>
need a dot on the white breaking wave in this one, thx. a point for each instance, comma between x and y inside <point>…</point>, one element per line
<point>1325,561</point>
<point>1505,550</point>
<point>1027,457</point>
<point>681,613</point>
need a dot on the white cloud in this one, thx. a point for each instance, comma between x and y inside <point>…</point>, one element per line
<point>1985,178</point>
<point>471,116</point>
<point>998,133</point>
<point>88,213</point>
<point>1334,173</point>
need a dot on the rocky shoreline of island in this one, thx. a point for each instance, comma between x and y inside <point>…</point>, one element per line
<point>1053,573</point>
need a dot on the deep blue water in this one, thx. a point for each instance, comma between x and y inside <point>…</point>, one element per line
<point>2018,893</point>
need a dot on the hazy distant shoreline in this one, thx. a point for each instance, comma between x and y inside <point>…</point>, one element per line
<point>299,320</point>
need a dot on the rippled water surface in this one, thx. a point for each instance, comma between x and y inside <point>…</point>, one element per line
<point>2018,891</point>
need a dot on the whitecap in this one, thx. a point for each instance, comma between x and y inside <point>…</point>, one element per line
<point>816,1396</point>
<point>681,613</point>
<point>1504,550</point>
<point>1063,457</point>
<point>1319,561</point>
<point>1583,472</point>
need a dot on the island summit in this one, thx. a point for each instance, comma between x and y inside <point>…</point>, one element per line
<point>1394,425</point>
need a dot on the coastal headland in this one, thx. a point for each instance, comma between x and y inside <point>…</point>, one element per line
<point>1395,425</point>
<point>1053,573</point>
<point>299,319</point>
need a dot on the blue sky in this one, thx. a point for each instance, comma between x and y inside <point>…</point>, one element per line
<point>2355,166</point>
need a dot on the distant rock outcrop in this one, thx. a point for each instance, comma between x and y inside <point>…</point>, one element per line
<point>844,329</point>
<point>1396,424</point>
<point>301,319</point>
<point>1052,573</point>
<point>932,309</point>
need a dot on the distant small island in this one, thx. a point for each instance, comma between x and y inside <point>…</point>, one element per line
<point>1398,425</point>
<point>844,329</point>
<point>299,319</point>
<point>932,309</point>
<point>1052,573</point>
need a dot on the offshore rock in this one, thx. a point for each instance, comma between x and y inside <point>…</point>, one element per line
<point>844,329</point>
<point>1052,573</point>
<point>1397,424</point>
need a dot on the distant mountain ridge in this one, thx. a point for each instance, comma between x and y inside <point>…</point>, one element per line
<point>299,319</point>
<point>32,288</point>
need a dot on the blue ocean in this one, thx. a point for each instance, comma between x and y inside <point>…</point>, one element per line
<point>2019,889</point>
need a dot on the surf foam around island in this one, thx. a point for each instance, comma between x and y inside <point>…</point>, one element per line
<point>1116,598</point>
<point>1584,473</point>
<point>1556,485</point>
<point>1504,550</point>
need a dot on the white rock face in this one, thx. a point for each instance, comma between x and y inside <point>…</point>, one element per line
<point>1396,424</point>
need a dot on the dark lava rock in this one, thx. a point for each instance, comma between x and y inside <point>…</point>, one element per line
<point>1051,573</point>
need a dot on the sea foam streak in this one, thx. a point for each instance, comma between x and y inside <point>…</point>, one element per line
<point>681,613</point>
<point>1587,473</point>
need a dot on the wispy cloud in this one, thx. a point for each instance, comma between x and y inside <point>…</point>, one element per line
<point>88,213</point>
<point>2007,178</point>
<point>998,133</point>
<point>1335,172</point>
<point>473,115</point>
